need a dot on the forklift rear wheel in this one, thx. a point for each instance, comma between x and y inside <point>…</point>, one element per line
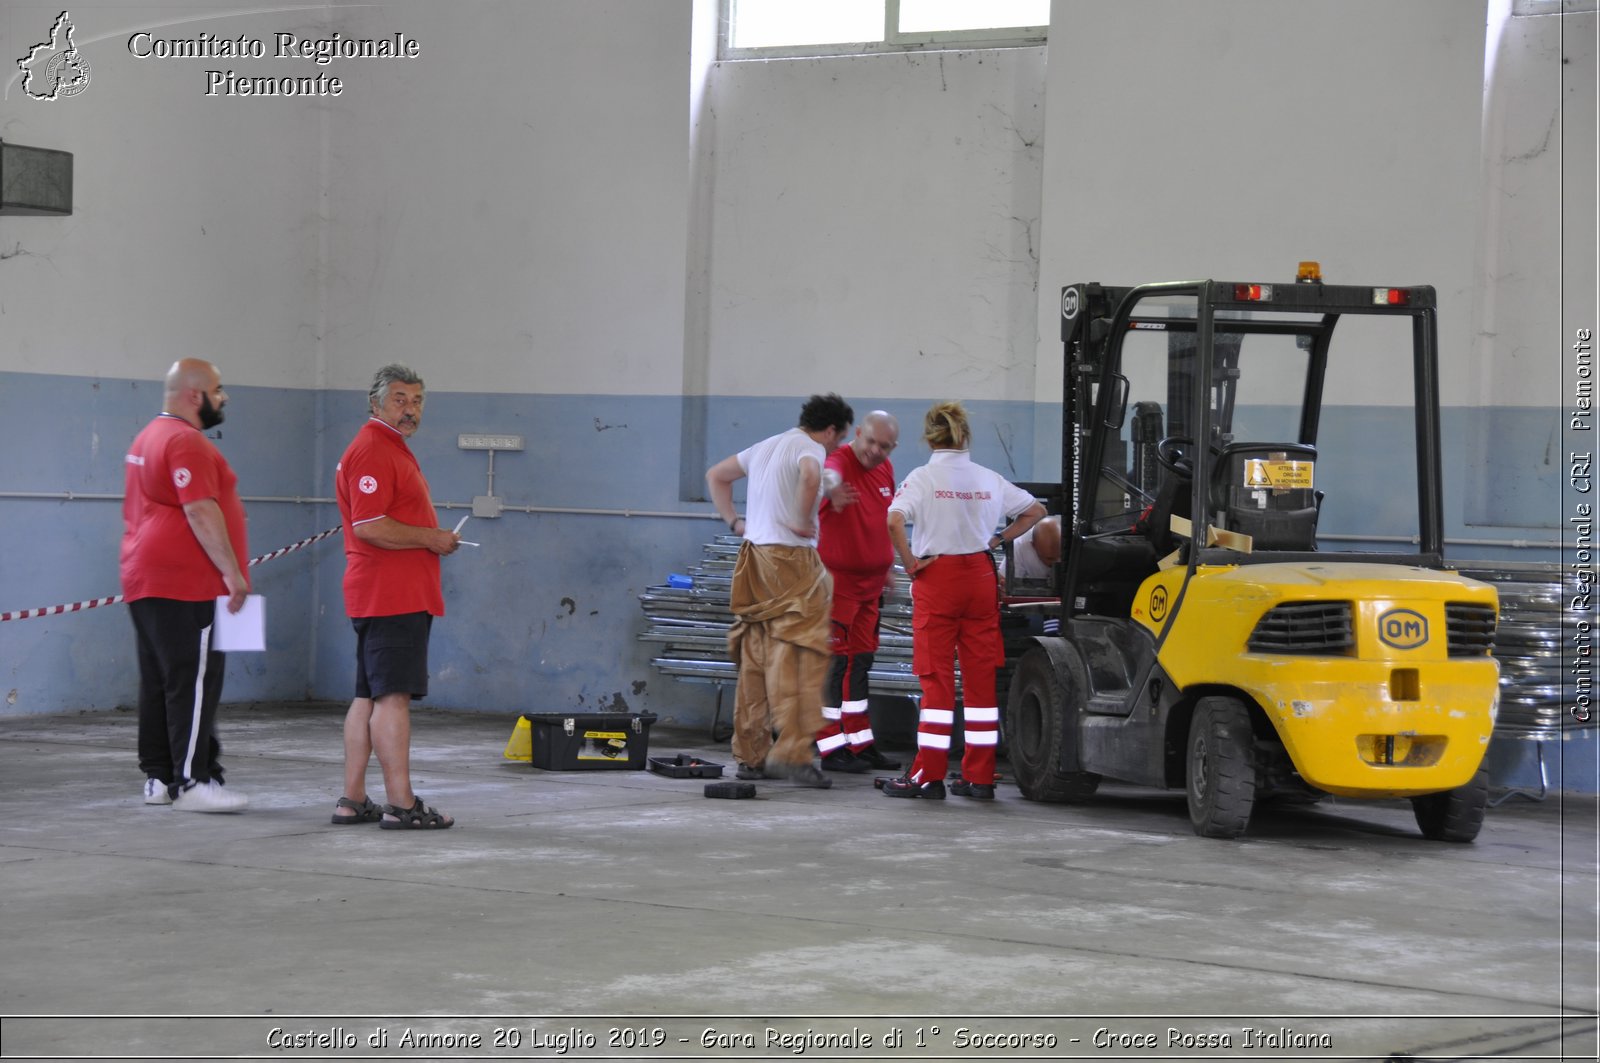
<point>1455,815</point>
<point>1040,718</point>
<point>1222,773</point>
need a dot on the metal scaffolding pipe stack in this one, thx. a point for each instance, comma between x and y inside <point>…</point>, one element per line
<point>1536,687</point>
<point>689,625</point>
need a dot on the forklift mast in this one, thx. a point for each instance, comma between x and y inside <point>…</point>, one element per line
<point>1111,487</point>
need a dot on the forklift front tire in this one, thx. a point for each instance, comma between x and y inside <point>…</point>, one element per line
<point>1041,720</point>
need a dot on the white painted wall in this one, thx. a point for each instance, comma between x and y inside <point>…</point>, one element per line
<point>871,220</point>
<point>195,221</point>
<point>515,213</point>
<point>1234,138</point>
<point>1538,223</point>
<point>513,208</point>
<point>875,225</point>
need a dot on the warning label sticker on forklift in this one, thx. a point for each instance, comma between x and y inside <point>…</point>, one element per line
<point>1281,475</point>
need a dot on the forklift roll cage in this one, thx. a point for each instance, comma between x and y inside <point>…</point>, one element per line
<point>1095,322</point>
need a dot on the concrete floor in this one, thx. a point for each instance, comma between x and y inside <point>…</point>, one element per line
<point>565,905</point>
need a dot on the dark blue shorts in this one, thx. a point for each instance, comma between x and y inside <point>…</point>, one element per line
<point>392,654</point>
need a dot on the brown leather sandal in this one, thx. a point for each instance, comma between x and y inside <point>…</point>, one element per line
<point>365,812</point>
<point>418,817</point>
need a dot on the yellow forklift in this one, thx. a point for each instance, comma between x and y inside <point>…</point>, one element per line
<point>1206,636</point>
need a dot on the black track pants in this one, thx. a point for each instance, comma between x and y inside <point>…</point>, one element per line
<point>180,683</point>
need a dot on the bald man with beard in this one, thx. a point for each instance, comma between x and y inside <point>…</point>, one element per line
<point>183,547</point>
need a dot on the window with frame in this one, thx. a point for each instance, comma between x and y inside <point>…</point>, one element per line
<point>767,29</point>
<point>1521,8</point>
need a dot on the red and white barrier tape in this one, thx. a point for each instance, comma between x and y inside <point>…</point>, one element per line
<point>94,603</point>
<point>293,546</point>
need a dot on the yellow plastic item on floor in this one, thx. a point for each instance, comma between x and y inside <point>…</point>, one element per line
<point>520,745</point>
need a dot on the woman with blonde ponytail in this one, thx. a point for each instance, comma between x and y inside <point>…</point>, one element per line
<point>954,506</point>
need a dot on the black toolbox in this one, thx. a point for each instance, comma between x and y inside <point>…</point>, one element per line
<point>592,741</point>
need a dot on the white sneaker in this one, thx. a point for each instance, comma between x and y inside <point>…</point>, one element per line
<point>209,797</point>
<point>156,793</point>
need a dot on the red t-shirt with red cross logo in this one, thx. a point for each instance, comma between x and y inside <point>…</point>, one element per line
<point>854,541</point>
<point>379,477</point>
<point>170,464</point>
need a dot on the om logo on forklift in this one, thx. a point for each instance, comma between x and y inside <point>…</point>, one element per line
<point>1404,629</point>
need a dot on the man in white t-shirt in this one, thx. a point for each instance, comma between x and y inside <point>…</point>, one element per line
<point>1037,550</point>
<point>781,593</point>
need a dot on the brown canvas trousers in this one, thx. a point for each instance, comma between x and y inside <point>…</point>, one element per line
<point>780,597</point>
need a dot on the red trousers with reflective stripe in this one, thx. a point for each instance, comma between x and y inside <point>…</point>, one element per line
<point>956,614</point>
<point>845,721</point>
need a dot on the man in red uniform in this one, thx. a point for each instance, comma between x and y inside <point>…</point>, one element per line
<point>854,545</point>
<point>392,546</point>
<point>183,547</point>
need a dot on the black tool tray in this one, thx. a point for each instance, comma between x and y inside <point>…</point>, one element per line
<point>684,766</point>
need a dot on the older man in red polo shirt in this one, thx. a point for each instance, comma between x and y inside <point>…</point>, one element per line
<point>854,545</point>
<point>392,545</point>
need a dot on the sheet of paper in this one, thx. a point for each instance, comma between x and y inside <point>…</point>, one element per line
<point>243,631</point>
